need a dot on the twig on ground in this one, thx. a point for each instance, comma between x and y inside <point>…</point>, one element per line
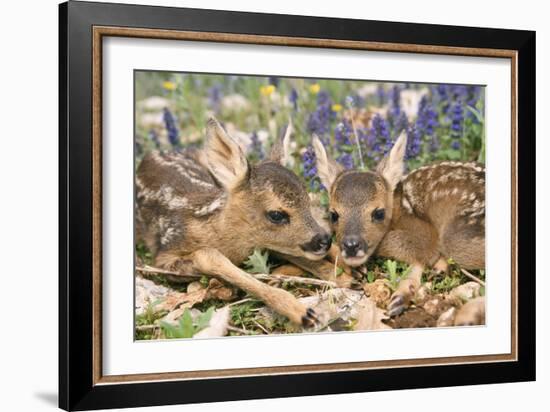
<point>258,324</point>
<point>260,276</point>
<point>238,302</point>
<point>158,271</point>
<point>238,330</point>
<point>474,278</point>
<point>295,279</point>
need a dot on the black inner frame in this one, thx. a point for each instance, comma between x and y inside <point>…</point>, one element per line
<point>76,388</point>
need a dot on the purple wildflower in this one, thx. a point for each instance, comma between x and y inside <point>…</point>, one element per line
<point>171,127</point>
<point>381,95</point>
<point>457,117</point>
<point>293,97</point>
<point>215,94</point>
<point>274,80</point>
<point>344,145</point>
<point>400,124</point>
<point>346,160</point>
<point>310,168</point>
<point>395,102</point>
<point>256,147</point>
<point>457,120</point>
<point>413,142</point>
<point>319,121</point>
<point>426,120</point>
<point>380,139</point>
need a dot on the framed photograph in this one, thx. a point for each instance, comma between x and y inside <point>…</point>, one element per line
<point>257,205</point>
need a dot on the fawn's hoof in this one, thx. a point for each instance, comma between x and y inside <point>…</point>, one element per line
<point>396,306</point>
<point>310,318</point>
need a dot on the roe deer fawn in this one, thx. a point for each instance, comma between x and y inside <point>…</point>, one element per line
<point>204,211</point>
<point>433,213</point>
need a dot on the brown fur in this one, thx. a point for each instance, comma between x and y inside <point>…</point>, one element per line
<point>206,210</point>
<point>434,213</point>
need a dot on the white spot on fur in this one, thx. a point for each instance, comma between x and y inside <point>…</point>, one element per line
<point>205,210</point>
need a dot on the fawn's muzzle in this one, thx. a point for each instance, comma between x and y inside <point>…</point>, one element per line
<point>318,245</point>
<point>353,246</point>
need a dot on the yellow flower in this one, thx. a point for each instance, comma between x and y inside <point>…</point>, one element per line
<point>314,88</point>
<point>169,85</point>
<point>267,90</point>
<point>336,107</point>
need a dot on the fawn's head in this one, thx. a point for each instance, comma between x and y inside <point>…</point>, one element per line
<point>361,203</point>
<point>266,201</point>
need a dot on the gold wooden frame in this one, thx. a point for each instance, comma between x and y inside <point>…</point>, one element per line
<point>103,31</point>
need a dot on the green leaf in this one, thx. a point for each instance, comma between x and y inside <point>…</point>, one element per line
<point>257,262</point>
<point>170,331</point>
<point>370,276</point>
<point>186,324</point>
<point>477,114</point>
<point>204,319</point>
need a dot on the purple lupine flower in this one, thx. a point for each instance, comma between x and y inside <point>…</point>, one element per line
<point>381,95</point>
<point>346,160</point>
<point>256,147</point>
<point>154,138</point>
<point>426,120</point>
<point>380,138</point>
<point>457,120</point>
<point>274,80</point>
<point>400,124</point>
<point>342,134</point>
<point>319,121</point>
<point>310,168</point>
<point>414,142</point>
<point>293,98</point>
<point>457,117</point>
<point>344,145</point>
<point>171,127</point>
<point>215,94</point>
<point>395,102</point>
<point>442,93</point>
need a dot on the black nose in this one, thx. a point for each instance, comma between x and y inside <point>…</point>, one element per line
<point>320,243</point>
<point>352,244</point>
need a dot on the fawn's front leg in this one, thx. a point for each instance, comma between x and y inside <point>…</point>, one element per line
<point>406,290</point>
<point>211,262</point>
<point>418,248</point>
<point>334,271</point>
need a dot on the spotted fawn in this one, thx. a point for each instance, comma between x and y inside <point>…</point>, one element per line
<point>204,211</point>
<point>433,213</point>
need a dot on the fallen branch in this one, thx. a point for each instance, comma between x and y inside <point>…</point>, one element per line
<point>238,330</point>
<point>260,276</point>
<point>295,279</point>
<point>158,271</point>
<point>474,278</point>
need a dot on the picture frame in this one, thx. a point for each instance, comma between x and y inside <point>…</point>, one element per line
<point>82,29</point>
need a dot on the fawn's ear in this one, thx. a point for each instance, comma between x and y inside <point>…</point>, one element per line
<point>280,151</point>
<point>327,168</point>
<point>224,157</point>
<point>392,166</point>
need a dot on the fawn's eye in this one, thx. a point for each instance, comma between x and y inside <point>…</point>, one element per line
<point>333,216</point>
<point>278,217</point>
<point>378,215</point>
